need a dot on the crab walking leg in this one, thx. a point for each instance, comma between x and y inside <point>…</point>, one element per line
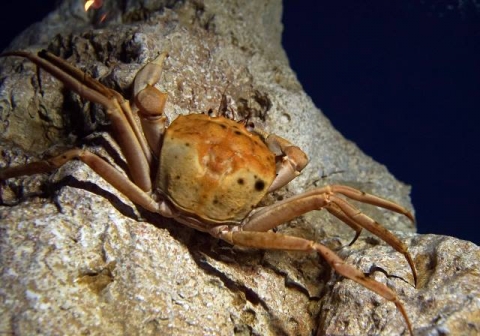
<point>150,74</point>
<point>276,241</point>
<point>293,160</point>
<point>102,89</point>
<point>364,197</point>
<point>368,223</point>
<point>97,164</point>
<point>361,196</point>
<point>377,229</point>
<point>335,210</point>
<point>124,134</point>
<point>271,216</point>
<point>150,102</point>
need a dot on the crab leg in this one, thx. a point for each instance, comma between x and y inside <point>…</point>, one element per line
<point>364,197</point>
<point>117,109</point>
<point>337,212</point>
<point>100,88</point>
<point>98,165</point>
<point>150,102</point>
<point>276,241</point>
<point>271,216</point>
<point>293,159</point>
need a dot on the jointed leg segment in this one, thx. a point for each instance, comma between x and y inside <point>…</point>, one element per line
<point>150,102</point>
<point>126,130</point>
<point>276,241</point>
<point>271,216</point>
<point>97,164</point>
<point>253,231</point>
<point>293,159</point>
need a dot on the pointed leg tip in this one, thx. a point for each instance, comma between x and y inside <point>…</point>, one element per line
<point>412,267</point>
<point>402,310</point>
<point>357,234</point>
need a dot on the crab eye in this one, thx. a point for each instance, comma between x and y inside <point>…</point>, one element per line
<point>259,185</point>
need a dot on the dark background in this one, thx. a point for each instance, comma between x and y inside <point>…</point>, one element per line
<point>401,79</point>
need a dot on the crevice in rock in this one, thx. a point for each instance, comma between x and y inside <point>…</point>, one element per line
<point>73,182</point>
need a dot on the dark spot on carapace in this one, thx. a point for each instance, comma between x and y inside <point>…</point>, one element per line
<point>187,144</point>
<point>259,185</point>
<point>215,201</point>
<point>177,177</point>
<point>241,181</point>
<point>238,133</point>
<point>223,126</point>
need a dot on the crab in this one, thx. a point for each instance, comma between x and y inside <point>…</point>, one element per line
<point>211,172</point>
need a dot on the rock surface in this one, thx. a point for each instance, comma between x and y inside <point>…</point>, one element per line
<point>77,257</point>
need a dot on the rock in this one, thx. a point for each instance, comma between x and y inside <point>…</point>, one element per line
<point>445,302</point>
<point>77,257</point>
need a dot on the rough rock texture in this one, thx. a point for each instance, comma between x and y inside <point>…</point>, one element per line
<point>78,258</point>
